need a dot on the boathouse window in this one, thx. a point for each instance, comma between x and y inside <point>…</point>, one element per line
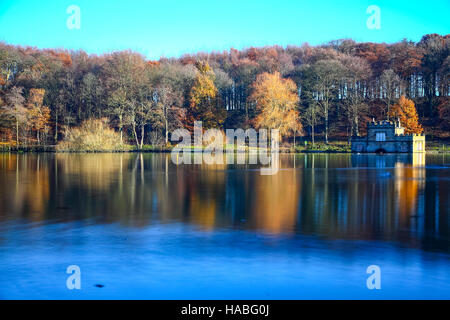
<point>381,136</point>
<point>419,146</point>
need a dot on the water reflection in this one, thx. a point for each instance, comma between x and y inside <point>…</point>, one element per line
<point>391,197</point>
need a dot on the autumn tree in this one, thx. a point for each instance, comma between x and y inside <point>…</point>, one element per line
<point>406,59</point>
<point>405,110</point>
<point>444,78</point>
<point>39,115</point>
<point>444,112</point>
<point>436,49</point>
<point>202,96</point>
<point>79,86</point>
<point>15,109</point>
<point>276,102</point>
<point>9,65</point>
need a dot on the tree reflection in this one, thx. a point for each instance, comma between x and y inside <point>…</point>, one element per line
<point>336,196</point>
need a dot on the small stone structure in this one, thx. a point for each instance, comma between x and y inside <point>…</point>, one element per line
<point>386,137</point>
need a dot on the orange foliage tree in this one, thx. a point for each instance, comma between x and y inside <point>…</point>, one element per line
<point>405,110</point>
<point>39,115</point>
<point>203,95</point>
<point>276,102</point>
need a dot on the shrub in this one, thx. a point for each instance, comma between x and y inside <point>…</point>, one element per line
<point>93,135</point>
<point>5,146</point>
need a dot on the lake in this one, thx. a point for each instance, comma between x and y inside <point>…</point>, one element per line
<point>141,227</point>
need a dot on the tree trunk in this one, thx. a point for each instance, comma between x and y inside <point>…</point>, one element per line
<point>17,134</point>
<point>246,115</point>
<point>166,129</point>
<point>56,129</point>
<point>135,136</point>
<point>294,138</point>
<point>356,126</point>
<point>326,124</point>
<point>142,135</point>
<point>121,129</point>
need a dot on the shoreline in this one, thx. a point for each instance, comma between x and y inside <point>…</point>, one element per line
<point>163,150</point>
<point>320,147</point>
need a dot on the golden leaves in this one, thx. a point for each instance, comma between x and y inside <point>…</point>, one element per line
<point>204,88</point>
<point>405,110</point>
<point>39,115</point>
<point>276,100</point>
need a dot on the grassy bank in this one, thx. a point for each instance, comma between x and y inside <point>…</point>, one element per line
<point>437,147</point>
<point>320,147</point>
<point>5,147</point>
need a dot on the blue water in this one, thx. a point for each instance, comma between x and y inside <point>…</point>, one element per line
<point>147,229</point>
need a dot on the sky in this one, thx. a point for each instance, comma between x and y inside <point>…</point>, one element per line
<point>171,28</point>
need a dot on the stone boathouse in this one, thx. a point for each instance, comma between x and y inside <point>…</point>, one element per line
<point>386,137</point>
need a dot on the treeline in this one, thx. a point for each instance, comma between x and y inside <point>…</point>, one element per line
<point>337,88</point>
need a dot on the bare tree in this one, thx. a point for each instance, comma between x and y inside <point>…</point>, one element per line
<point>357,72</point>
<point>391,89</point>
<point>312,116</point>
<point>322,80</point>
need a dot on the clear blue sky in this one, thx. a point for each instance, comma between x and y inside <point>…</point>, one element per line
<point>171,28</point>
